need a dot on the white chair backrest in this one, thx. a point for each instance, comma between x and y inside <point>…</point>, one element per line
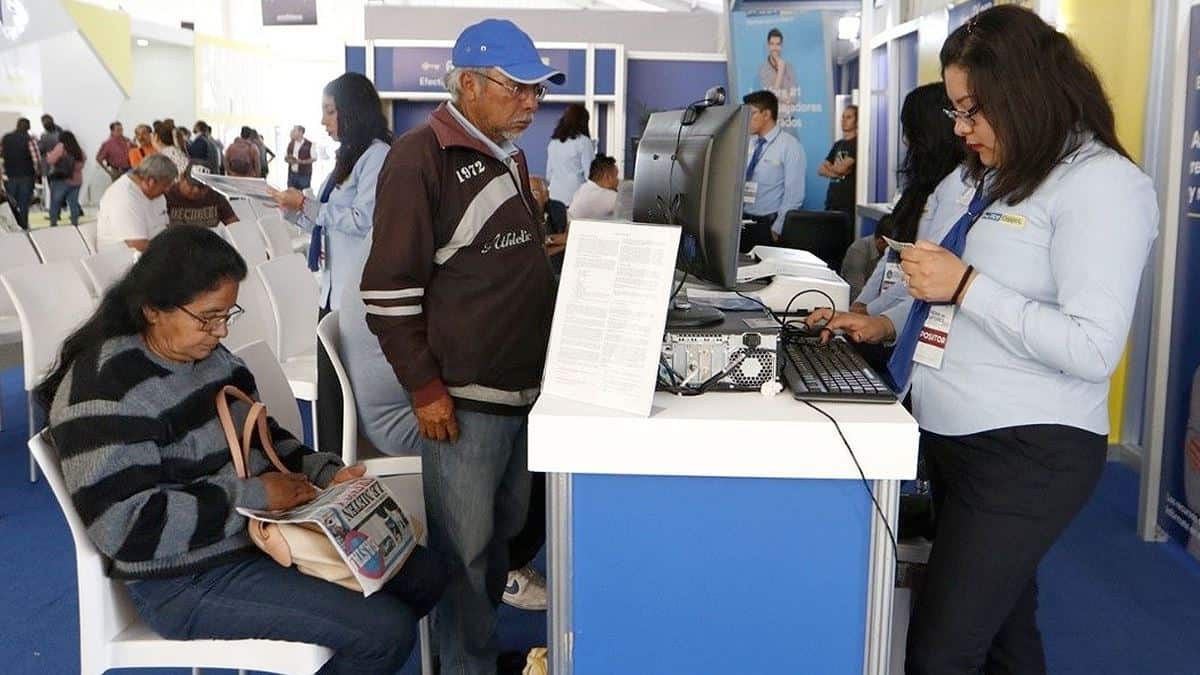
<point>273,388</point>
<point>331,339</point>
<point>88,232</point>
<point>15,251</point>
<point>292,291</point>
<point>51,301</point>
<point>330,335</point>
<point>248,241</point>
<point>107,267</point>
<point>244,210</point>
<point>104,606</point>
<point>276,232</point>
<point>58,243</point>
<point>259,320</point>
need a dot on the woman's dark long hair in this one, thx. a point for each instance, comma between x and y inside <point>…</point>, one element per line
<point>1035,89</point>
<point>360,120</point>
<point>573,123</point>
<point>71,145</point>
<point>933,152</point>
<point>157,280</point>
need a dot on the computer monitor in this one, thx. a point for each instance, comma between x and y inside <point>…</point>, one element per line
<point>691,171</point>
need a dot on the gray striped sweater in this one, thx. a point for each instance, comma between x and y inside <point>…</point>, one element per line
<point>147,464</point>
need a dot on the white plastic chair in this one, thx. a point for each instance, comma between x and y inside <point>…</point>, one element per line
<point>273,388</point>
<point>88,232</point>
<point>292,292</point>
<point>15,251</point>
<point>273,391</point>
<point>356,448</point>
<point>51,302</point>
<point>248,241</point>
<point>277,233</point>
<point>107,267</point>
<point>243,209</point>
<point>54,244</point>
<point>111,635</point>
<point>259,321</point>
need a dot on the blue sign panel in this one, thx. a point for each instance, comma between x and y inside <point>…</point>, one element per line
<point>421,69</point>
<point>1180,513</point>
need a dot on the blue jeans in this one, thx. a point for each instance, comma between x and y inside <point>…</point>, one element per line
<point>20,195</point>
<point>62,193</point>
<point>300,181</point>
<point>476,494</point>
<point>257,598</point>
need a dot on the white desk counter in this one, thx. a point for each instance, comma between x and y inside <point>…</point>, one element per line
<point>724,434</point>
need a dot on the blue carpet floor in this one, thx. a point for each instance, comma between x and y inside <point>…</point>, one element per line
<point>1110,604</point>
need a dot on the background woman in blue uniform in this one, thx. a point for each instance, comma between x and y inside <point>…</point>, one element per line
<point>1017,322</point>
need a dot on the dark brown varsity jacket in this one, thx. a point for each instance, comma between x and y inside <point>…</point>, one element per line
<point>457,285</point>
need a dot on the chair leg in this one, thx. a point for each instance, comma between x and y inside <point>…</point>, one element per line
<point>426,646</point>
<point>33,470</point>
<point>316,436</point>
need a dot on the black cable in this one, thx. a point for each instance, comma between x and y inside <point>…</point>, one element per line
<point>784,326</point>
<point>863,476</point>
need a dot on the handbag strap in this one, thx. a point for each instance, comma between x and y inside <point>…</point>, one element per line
<point>255,419</point>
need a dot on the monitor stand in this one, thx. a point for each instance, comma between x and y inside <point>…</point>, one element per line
<point>683,314</point>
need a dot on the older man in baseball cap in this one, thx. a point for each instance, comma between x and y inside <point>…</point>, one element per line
<point>458,290</point>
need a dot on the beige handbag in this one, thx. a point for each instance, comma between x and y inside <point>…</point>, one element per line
<point>304,545</point>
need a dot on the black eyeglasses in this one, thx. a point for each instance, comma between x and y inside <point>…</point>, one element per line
<point>212,323</point>
<point>967,116</point>
<point>518,90</point>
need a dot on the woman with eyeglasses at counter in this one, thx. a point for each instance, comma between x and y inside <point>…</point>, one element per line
<point>1015,324</point>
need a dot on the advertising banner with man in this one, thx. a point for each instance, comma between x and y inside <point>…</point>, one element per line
<point>1180,514</point>
<point>786,53</point>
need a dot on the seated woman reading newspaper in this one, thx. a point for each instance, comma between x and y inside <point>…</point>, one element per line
<point>133,417</point>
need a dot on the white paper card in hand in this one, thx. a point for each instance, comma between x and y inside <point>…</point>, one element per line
<point>610,312</point>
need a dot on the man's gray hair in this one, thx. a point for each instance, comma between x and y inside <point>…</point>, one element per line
<point>453,82</point>
<point>158,168</point>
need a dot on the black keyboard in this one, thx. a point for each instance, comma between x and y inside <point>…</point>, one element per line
<point>832,372</point>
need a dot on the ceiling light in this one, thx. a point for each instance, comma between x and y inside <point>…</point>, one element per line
<point>143,42</point>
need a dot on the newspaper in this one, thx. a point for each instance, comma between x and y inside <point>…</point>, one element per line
<point>364,523</point>
<point>236,186</point>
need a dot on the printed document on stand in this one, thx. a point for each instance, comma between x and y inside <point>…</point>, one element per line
<point>610,313</point>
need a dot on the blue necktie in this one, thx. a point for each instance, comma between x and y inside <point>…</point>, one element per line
<point>901,364</point>
<point>758,148</point>
<point>314,244</point>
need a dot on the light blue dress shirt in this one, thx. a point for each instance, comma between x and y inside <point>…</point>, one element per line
<point>780,176</point>
<point>346,220</point>
<point>950,194</point>
<point>567,166</point>
<point>1041,329</point>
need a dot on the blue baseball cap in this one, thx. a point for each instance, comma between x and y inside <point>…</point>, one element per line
<point>499,44</point>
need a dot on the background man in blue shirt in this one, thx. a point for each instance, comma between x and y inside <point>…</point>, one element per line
<point>774,172</point>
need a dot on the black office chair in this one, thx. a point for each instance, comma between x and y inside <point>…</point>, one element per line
<point>826,234</point>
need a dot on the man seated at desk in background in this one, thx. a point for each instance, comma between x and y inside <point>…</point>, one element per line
<point>863,255</point>
<point>774,173</point>
<point>133,210</point>
<point>597,197</point>
<point>190,202</point>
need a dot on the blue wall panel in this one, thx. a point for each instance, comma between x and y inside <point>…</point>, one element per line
<point>653,86</point>
<point>605,72</point>
<point>356,60</point>
<point>679,575</point>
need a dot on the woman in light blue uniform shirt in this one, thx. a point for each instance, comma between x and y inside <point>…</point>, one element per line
<point>1016,323</point>
<point>569,154</point>
<point>341,217</point>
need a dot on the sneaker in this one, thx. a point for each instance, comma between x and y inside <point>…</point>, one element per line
<point>526,589</point>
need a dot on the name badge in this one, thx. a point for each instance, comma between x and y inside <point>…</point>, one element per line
<point>892,275</point>
<point>931,343</point>
<point>750,192</point>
